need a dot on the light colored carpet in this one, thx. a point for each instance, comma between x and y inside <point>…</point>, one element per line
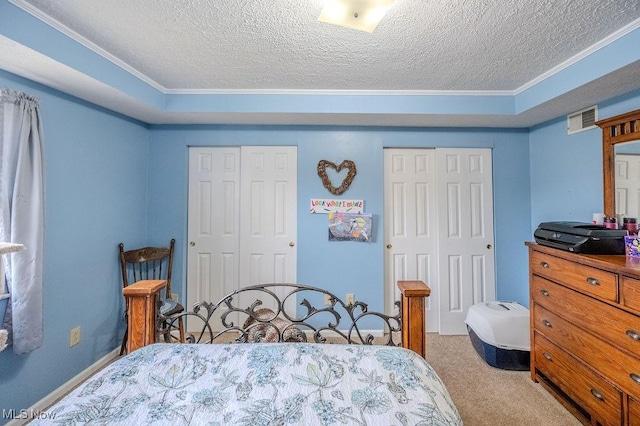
<point>489,396</point>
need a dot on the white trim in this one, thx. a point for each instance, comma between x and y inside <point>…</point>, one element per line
<point>354,335</point>
<point>580,56</point>
<point>57,25</point>
<point>22,4</point>
<point>329,334</point>
<point>316,92</point>
<point>50,399</point>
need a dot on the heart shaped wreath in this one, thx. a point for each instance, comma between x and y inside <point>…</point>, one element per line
<point>351,173</point>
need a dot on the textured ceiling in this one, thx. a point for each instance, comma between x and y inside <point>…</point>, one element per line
<point>279,45</point>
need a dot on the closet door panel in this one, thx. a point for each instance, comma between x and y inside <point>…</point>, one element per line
<point>213,225</point>
<point>410,225</point>
<point>465,234</point>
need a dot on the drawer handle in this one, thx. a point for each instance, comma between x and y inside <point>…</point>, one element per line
<point>597,394</point>
<point>547,323</point>
<point>593,281</point>
<point>545,293</point>
<point>635,377</point>
<point>544,264</point>
<point>548,356</point>
<point>633,334</point>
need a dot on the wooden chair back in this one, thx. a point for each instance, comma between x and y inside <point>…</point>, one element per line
<point>147,263</point>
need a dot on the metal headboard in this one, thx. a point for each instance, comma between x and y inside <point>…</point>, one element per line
<point>319,316</point>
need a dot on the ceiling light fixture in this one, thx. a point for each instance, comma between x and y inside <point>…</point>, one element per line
<point>363,15</point>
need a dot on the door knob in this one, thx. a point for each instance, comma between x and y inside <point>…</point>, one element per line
<point>192,243</point>
<point>291,244</point>
<point>389,246</point>
<point>488,246</point>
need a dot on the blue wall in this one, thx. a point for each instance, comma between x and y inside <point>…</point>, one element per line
<point>566,170</point>
<point>566,173</point>
<point>111,179</point>
<point>96,167</point>
<point>346,267</point>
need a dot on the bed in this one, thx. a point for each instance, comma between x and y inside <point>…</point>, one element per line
<point>295,379</point>
<point>261,384</point>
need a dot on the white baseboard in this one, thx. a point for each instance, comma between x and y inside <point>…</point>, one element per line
<point>327,333</point>
<point>363,333</point>
<point>24,416</point>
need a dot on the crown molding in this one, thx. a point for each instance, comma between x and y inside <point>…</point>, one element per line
<point>632,26</point>
<point>38,14</point>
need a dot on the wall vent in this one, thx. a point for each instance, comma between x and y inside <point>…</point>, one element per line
<point>582,120</point>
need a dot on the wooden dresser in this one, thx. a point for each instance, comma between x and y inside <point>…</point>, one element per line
<point>585,333</point>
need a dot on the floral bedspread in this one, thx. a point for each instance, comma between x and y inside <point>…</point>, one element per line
<point>261,384</point>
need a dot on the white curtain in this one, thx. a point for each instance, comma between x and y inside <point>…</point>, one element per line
<point>22,216</point>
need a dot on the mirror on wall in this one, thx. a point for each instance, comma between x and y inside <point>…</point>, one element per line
<point>626,179</point>
<point>620,152</point>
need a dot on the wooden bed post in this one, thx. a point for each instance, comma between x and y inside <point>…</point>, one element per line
<point>414,329</point>
<point>142,298</point>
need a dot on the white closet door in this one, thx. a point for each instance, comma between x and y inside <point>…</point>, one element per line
<point>268,220</point>
<point>410,225</point>
<point>465,234</point>
<point>242,220</point>
<point>214,224</point>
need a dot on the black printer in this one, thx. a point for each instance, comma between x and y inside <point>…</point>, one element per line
<point>580,237</point>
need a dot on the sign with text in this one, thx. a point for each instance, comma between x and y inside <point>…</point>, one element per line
<point>338,206</point>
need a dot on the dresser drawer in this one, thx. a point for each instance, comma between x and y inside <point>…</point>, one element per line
<point>630,293</point>
<point>602,400</point>
<point>619,367</point>
<point>586,279</point>
<point>618,327</point>
<point>634,412</point>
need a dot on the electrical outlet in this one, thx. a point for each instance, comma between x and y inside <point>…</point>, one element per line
<point>174,296</point>
<point>74,337</point>
<point>350,299</point>
<point>327,300</point>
